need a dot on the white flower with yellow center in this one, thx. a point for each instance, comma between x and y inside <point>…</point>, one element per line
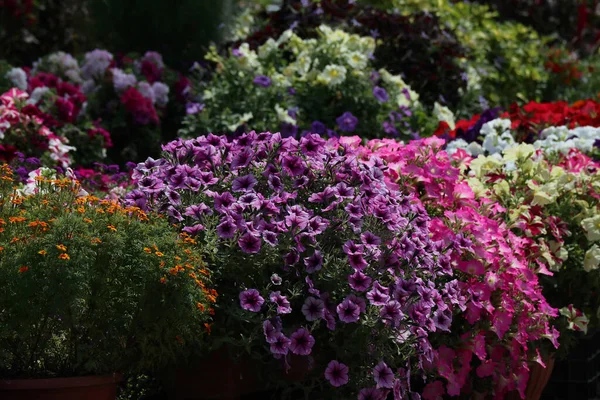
<point>592,227</point>
<point>591,261</point>
<point>356,60</point>
<point>332,75</point>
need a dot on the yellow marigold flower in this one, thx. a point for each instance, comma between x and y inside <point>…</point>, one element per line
<point>42,252</point>
<point>112,228</point>
<point>61,247</point>
<point>64,256</point>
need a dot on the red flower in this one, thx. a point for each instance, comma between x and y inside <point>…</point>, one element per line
<point>139,107</point>
<point>444,129</point>
<point>151,71</point>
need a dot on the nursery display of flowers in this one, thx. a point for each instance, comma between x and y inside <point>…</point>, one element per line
<point>335,199</point>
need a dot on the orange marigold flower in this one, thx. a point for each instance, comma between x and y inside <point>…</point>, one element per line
<point>81,210</point>
<point>163,280</point>
<point>162,264</point>
<point>173,271</point>
<point>177,258</point>
<point>179,339</point>
<point>87,220</point>
<point>112,228</point>
<point>147,250</point>
<point>158,253</point>
<point>64,256</point>
<point>14,220</point>
<point>61,247</point>
<point>42,252</point>
<point>96,241</point>
<point>24,268</point>
<point>200,306</point>
<point>14,240</point>
<point>207,326</point>
<point>211,311</point>
<point>211,298</point>
<point>1,249</point>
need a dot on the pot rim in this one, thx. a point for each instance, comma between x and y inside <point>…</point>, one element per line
<point>57,383</point>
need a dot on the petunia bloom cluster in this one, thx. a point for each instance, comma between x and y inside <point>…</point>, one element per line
<point>314,253</point>
<point>491,339</point>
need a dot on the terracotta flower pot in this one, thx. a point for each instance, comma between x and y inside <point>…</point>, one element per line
<point>86,387</point>
<point>538,379</point>
<point>215,377</point>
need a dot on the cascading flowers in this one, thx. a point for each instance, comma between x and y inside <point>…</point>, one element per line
<point>313,255</point>
<point>551,200</point>
<point>497,332</point>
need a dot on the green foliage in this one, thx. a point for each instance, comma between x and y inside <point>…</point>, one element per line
<point>90,287</point>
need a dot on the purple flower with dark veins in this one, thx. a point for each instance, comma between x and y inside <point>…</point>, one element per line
<point>313,308</point>
<point>314,262</point>
<point>336,373</point>
<point>226,229</point>
<point>348,311</point>
<point>281,344</point>
<point>392,312</point>
<point>249,243</point>
<point>251,300</point>
<point>244,183</point>
<point>283,304</point>
<point>262,80</point>
<point>383,375</point>
<point>269,331</point>
<point>301,342</point>
<point>359,281</point>
<point>380,94</point>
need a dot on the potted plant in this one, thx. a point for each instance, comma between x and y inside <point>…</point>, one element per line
<point>91,290</point>
<point>315,260</point>
<point>492,346</point>
<point>551,200</point>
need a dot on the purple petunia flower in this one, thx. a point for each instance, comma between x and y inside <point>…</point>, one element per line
<point>280,344</point>
<point>283,304</point>
<point>384,376</point>
<point>347,122</point>
<point>371,394</point>
<point>243,183</point>
<point>336,373</point>
<point>301,342</point>
<point>262,80</point>
<point>251,300</point>
<point>378,296</point>
<point>193,230</point>
<point>359,281</point>
<point>392,311</point>
<point>443,319</point>
<point>380,94</point>
<point>313,309</point>
<point>276,280</point>
<point>348,311</point>
<point>226,229</point>
<point>269,331</point>
<point>314,262</point>
<point>249,243</point>
<point>318,127</point>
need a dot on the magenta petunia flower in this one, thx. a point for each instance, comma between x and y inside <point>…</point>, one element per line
<point>348,311</point>
<point>283,304</point>
<point>280,345</point>
<point>301,342</point>
<point>336,373</point>
<point>251,300</point>
<point>384,376</point>
<point>313,309</point>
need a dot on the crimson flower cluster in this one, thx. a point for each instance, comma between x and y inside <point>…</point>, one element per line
<point>313,255</point>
